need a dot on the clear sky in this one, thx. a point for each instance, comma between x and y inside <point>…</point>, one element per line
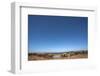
<point>57,33</point>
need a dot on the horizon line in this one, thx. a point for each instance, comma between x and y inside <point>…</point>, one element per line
<point>56,51</point>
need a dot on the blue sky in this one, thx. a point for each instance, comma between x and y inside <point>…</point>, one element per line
<point>57,33</point>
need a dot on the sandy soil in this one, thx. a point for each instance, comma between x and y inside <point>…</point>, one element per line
<point>49,56</point>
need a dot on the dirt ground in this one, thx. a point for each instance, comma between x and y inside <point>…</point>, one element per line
<point>50,56</point>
